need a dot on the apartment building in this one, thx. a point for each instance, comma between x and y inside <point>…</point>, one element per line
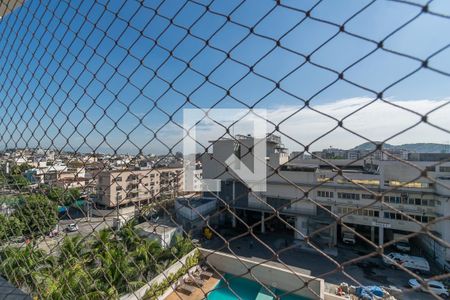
<point>311,194</point>
<point>122,187</point>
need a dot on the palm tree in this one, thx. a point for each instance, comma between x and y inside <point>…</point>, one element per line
<point>72,250</point>
<point>129,236</point>
<point>117,269</point>
<point>65,282</point>
<point>146,257</point>
<point>182,246</point>
<point>20,266</point>
<point>102,241</point>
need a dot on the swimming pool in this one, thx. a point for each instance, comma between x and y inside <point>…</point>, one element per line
<point>246,289</point>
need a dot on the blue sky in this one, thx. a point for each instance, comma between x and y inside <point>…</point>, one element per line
<point>73,72</point>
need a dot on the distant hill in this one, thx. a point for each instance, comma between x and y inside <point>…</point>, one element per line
<point>417,147</point>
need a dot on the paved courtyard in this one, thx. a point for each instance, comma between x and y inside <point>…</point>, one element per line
<point>372,272</point>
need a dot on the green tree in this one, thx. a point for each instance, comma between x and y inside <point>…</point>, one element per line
<point>181,246</point>
<point>3,179</point>
<point>10,227</point>
<point>61,196</point>
<point>146,257</point>
<point>72,250</point>
<point>19,169</point>
<point>129,236</point>
<point>118,269</point>
<point>38,213</point>
<point>18,182</point>
<point>20,266</point>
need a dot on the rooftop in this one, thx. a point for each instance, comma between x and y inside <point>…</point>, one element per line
<point>195,201</point>
<point>156,228</point>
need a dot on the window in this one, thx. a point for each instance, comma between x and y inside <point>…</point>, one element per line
<point>367,196</point>
<point>430,168</point>
<point>325,194</point>
<point>118,188</point>
<point>359,212</point>
<point>444,169</point>
<point>115,179</point>
<point>404,198</point>
<point>394,199</point>
<point>237,150</point>
<point>349,196</point>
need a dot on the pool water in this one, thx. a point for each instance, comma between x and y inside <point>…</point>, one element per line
<point>246,290</point>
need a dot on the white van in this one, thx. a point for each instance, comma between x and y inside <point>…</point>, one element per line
<point>415,263</point>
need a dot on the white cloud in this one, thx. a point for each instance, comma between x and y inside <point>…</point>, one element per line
<point>375,121</point>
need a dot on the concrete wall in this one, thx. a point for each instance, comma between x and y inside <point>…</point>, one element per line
<point>196,212</point>
<point>112,212</point>
<point>301,224</point>
<point>269,275</point>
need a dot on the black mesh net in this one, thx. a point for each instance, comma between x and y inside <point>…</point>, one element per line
<point>131,133</point>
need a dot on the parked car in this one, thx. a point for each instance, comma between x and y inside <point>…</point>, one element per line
<point>414,263</point>
<point>72,227</point>
<point>403,246</point>
<point>436,286</point>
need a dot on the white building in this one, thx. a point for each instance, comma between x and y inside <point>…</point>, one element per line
<point>378,198</point>
<point>163,233</point>
<point>193,212</point>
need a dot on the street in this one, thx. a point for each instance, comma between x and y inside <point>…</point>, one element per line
<point>86,228</point>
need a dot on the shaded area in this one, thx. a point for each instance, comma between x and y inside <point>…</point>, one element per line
<point>9,292</point>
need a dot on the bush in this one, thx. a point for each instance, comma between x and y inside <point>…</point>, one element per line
<point>38,214</point>
<point>10,227</point>
<point>157,290</point>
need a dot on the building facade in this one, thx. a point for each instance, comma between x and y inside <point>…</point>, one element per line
<point>378,198</point>
<point>122,187</point>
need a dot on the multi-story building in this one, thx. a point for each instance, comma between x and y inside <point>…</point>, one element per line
<point>122,187</point>
<point>377,198</point>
